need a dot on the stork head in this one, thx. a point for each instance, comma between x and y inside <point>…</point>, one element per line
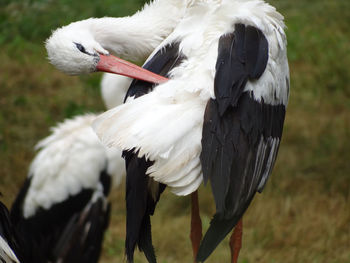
<point>74,51</point>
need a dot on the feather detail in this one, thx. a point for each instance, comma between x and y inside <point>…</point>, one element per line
<point>69,160</point>
<point>240,134</point>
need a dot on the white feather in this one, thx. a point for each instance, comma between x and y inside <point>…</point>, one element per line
<point>6,253</point>
<point>179,139</point>
<point>274,143</point>
<point>166,124</point>
<point>188,189</point>
<point>69,160</point>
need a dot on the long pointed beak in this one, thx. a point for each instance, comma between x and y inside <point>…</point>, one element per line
<point>119,66</point>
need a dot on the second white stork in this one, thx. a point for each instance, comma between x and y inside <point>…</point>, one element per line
<point>218,119</point>
<point>62,211</point>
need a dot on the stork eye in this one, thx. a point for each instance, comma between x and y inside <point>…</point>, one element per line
<point>80,47</point>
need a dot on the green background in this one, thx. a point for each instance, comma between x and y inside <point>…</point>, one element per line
<point>303,214</point>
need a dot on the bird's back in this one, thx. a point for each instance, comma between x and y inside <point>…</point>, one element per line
<point>62,207</point>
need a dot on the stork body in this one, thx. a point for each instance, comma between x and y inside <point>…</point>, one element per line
<point>220,116</point>
<point>62,209</point>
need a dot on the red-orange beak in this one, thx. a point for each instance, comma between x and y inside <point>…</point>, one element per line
<point>119,66</point>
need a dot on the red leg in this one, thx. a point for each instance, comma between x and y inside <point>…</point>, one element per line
<point>196,224</point>
<point>236,241</point>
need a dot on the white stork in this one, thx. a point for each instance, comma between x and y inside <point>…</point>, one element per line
<point>62,211</point>
<point>219,118</point>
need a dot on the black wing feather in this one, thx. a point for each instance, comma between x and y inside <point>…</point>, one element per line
<point>140,203</point>
<point>137,199</point>
<point>9,234</point>
<point>61,231</point>
<point>256,51</point>
<point>83,235</point>
<point>238,140</point>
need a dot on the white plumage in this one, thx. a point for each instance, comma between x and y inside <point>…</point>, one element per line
<point>183,99</point>
<point>72,157</point>
<point>175,146</point>
<point>69,160</point>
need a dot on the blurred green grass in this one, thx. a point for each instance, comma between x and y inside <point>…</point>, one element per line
<point>303,214</point>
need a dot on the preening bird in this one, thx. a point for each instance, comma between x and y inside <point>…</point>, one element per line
<point>62,211</point>
<point>218,119</point>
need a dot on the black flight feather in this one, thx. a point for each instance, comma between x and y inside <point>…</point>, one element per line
<point>137,199</point>
<point>140,202</point>
<point>68,230</point>
<point>9,234</point>
<point>256,50</point>
<point>82,237</point>
<point>236,128</point>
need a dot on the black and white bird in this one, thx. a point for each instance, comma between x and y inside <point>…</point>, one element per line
<point>219,117</point>
<point>62,211</point>
<point>47,217</point>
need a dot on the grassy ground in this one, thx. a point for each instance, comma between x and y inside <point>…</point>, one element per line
<point>303,214</point>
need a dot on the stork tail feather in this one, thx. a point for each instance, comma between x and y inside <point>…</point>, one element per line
<point>145,240</point>
<point>218,230</point>
<point>140,206</point>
